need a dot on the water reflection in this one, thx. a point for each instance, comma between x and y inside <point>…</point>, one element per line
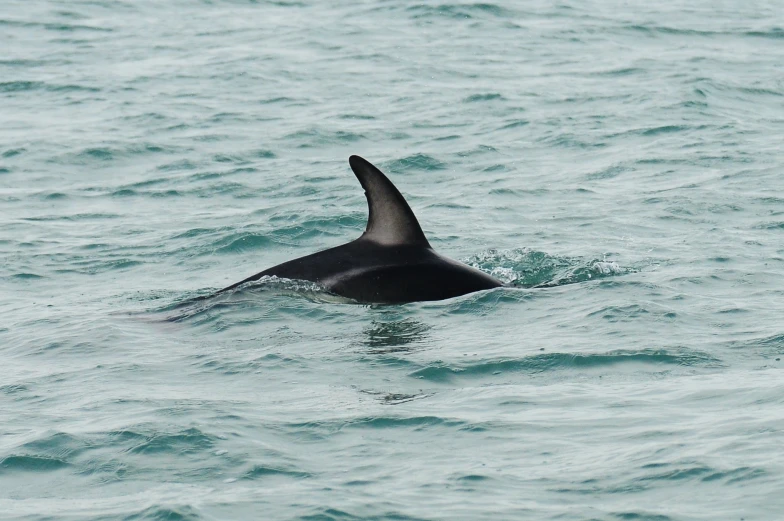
<point>395,337</point>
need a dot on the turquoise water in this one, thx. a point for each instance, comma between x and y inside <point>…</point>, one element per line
<point>620,161</point>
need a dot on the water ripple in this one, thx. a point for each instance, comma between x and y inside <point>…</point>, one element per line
<point>544,362</point>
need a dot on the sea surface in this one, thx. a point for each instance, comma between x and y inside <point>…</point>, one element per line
<point>619,163</point>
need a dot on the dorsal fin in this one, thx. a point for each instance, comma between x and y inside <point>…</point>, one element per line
<point>391,221</point>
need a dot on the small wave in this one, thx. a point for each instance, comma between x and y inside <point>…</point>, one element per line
<point>166,513</point>
<point>236,189</point>
<point>450,137</point>
<point>736,475</point>
<point>53,196</point>
<point>26,463</point>
<point>319,137</point>
<point>20,86</point>
<point>472,478</point>
<point>45,454</point>
<point>278,99</point>
<point>263,471</point>
<point>196,232</point>
<point>187,441</point>
<point>571,140</point>
<point>124,192</point>
<point>769,347</point>
<point>12,389</point>
<point>24,86</point>
<point>496,168</point>
<point>663,29</point>
<point>20,62</point>
<point>237,243</point>
<point>121,264</point>
<point>774,225</point>
<point>177,166</point>
<point>492,96</point>
<point>93,264</point>
<point>553,361</point>
<point>517,123</point>
<point>229,368</point>
<point>776,33</point>
<point>11,152</point>
<point>628,313</point>
<point>416,162</point>
<point>290,235</point>
<point>459,11</point>
<point>696,471</point>
<point>623,71</point>
<point>109,153</point>
<point>480,149</point>
<point>59,444</point>
<point>206,176</point>
<point>666,129</point>
<point>641,515</point>
<point>102,153</point>
<point>538,192</point>
<point>363,117</point>
<point>397,422</point>
<point>608,173</point>
<point>528,269</point>
<point>75,27</point>
<point>27,276</point>
<point>397,398</point>
<point>228,158</point>
<point>74,217</point>
<point>320,430</point>
<point>263,154</point>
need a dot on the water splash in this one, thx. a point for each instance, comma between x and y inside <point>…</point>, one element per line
<point>192,306</point>
<point>526,268</point>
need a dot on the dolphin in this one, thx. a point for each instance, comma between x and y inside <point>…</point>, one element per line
<point>391,263</point>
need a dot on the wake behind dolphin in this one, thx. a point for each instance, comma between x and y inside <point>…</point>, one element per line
<point>391,262</point>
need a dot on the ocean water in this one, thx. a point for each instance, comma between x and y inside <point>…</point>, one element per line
<point>619,162</point>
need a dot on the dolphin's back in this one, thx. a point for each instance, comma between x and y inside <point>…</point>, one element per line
<point>392,262</point>
<point>437,278</point>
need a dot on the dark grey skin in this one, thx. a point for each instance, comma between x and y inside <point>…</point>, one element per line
<point>391,262</point>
